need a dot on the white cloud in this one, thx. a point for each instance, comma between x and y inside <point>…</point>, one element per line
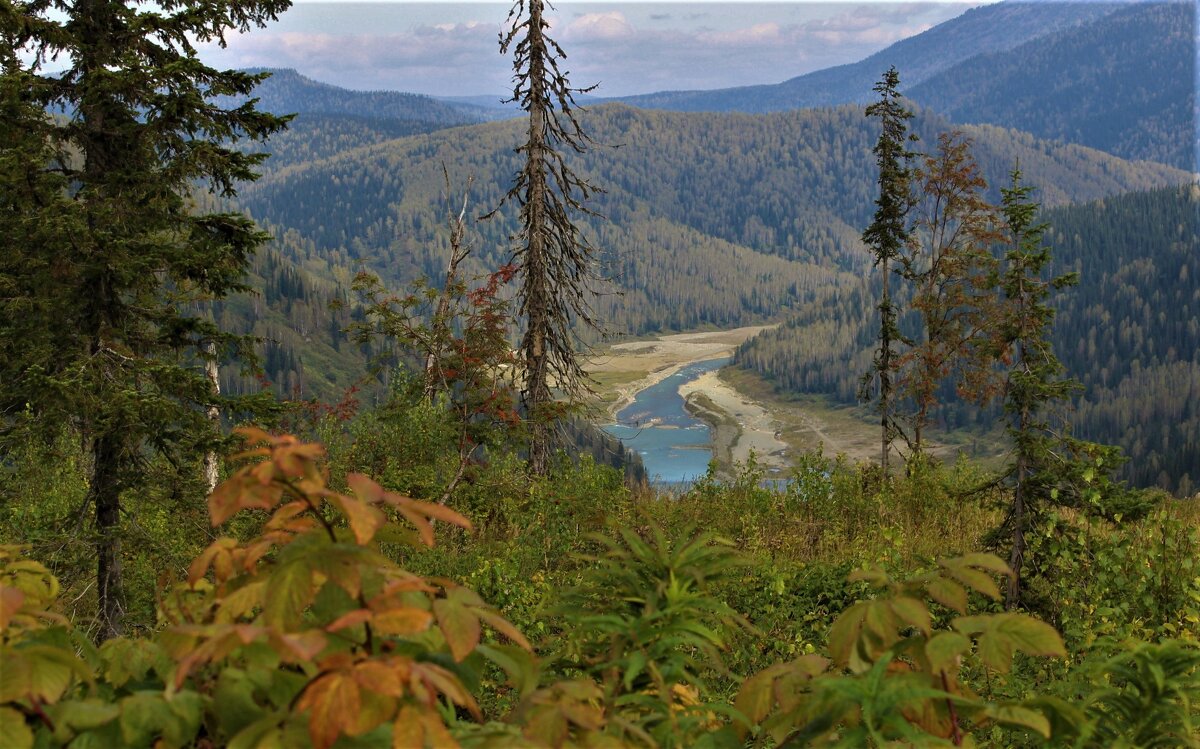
<point>630,48</point>
<point>610,25</point>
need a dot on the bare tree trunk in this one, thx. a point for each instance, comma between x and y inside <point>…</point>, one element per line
<point>1016,559</point>
<point>885,378</point>
<point>459,250</point>
<point>212,464</point>
<point>536,395</point>
<point>105,494</point>
<point>555,261</point>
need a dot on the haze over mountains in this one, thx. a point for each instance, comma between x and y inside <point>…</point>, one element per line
<point>1112,76</point>
<point>990,28</point>
<point>723,218</point>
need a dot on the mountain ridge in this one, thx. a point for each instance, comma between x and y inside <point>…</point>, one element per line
<point>989,28</point>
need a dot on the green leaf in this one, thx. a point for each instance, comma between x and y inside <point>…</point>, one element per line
<point>874,577</point>
<point>943,648</point>
<point>989,562</point>
<point>83,715</point>
<point>291,590</point>
<point>757,695</point>
<point>913,612</point>
<point>1000,634</point>
<point>981,582</point>
<point>143,716</point>
<point>234,705</point>
<point>1018,715</point>
<point>845,632</point>
<point>636,664</point>
<point>14,734</point>
<point>258,735</point>
<point>948,593</point>
<point>459,624</point>
<point>520,665</point>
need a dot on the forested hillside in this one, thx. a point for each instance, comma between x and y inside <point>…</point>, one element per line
<point>779,197</point>
<point>1118,77</point>
<point>1124,84</point>
<point>288,92</point>
<point>299,320</point>
<point>1130,332</point>
<point>329,120</point>
<point>990,28</point>
<point>446,563</point>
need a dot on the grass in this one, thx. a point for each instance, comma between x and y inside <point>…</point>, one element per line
<point>810,421</point>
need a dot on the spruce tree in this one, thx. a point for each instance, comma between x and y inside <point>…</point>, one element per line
<point>143,125</point>
<point>1034,381</point>
<point>556,262</point>
<point>887,236</point>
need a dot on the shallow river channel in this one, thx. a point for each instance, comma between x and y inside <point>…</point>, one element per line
<point>674,445</point>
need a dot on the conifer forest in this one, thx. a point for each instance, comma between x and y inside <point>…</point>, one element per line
<point>343,419</point>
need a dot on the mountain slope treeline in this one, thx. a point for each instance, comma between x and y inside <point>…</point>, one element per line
<point>685,194</point>
<point>991,28</point>
<point>1124,85</point>
<point>289,92</point>
<point>1129,332</point>
<point>1119,77</point>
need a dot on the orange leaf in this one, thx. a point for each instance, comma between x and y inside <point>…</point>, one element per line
<point>349,619</point>
<point>11,600</point>
<point>446,683</point>
<point>254,436</point>
<point>201,563</point>
<point>423,526</point>
<point>377,677</point>
<point>333,701</point>
<point>263,472</point>
<point>405,621</point>
<point>459,625</point>
<point>300,647</point>
<point>440,512</point>
<point>409,506</point>
<point>408,732</point>
<point>223,502</point>
<point>420,729</point>
<point>364,519</point>
<point>366,489</point>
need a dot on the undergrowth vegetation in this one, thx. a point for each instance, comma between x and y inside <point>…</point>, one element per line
<point>836,609</point>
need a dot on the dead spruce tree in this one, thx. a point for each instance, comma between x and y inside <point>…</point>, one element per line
<point>557,264</point>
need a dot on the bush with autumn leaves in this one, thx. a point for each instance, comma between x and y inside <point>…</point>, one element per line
<point>304,631</point>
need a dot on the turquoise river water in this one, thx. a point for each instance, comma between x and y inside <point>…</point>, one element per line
<point>675,446</point>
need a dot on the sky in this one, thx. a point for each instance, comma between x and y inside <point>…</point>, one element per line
<point>451,49</point>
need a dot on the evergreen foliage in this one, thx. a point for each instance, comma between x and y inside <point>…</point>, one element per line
<point>1034,383</point>
<point>1127,332</point>
<point>139,134</point>
<point>887,236</point>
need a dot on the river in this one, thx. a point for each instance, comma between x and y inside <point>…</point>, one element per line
<point>675,446</point>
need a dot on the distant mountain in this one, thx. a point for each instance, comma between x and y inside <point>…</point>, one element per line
<point>1125,84</point>
<point>287,91</point>
<point>330,119</point>
<point>781,197</point>
<point>987,29</point>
